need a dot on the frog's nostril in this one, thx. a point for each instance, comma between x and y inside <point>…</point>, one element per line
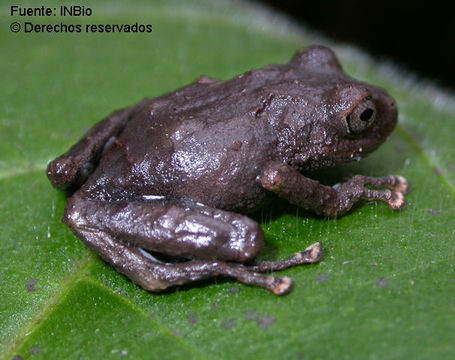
<point>366,115</point>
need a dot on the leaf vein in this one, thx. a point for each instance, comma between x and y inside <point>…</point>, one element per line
<point>162,328</point>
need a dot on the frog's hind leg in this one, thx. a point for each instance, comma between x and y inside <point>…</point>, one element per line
<point>71,169</point>
<point>152,275</point>
<point>212,238</point>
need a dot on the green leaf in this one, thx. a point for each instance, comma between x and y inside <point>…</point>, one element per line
<point>385,289</point>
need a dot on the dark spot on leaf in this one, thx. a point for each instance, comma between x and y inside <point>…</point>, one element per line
<point>35,350</point>
<point>437,171</point>
<point>31,285</point>
<point>266,321</point>
<point>228,324</point>
<point>234,290</point>
<point>434,211</point>
<point>398,149</point>
<point>216,305</point>
<point>251,315</point>
<point>18,357</point>
<point>192,319</point>
<point>68,134</point>
<point>323,278</point>
<point>382,282</point>
<point>374,264</point>
<point>177,332</point>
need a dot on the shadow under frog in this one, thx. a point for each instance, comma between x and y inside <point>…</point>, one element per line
<point>173,174</point>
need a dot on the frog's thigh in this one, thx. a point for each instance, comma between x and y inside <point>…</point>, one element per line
<point>178,228</point>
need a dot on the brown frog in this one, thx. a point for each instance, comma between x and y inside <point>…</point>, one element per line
<point>169,175</point>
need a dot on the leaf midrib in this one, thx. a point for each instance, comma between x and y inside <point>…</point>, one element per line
<point>54,300</point>
<point>60,295</point>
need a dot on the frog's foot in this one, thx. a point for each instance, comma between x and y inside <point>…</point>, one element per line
<point>396,183</point>
<point>397,186</point>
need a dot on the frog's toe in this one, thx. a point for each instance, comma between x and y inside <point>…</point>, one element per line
<point>396,200</point>
<point>313,252</point>
<point>280,286</point>
<point>401,184</point>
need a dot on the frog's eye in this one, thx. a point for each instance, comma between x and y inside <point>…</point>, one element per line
<point>361,117</point>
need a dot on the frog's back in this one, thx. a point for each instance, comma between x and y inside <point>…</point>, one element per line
<point>203,142</point>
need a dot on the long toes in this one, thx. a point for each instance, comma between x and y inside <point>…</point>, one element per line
<point>396,200</point>
<point>280,286</point>
<point>401,184</point>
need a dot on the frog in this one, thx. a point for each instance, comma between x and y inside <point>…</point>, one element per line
<point>162,190</point>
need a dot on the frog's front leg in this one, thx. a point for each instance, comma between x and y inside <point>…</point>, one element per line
<point>212,238</point>
<point>334,201</point>
<point>71,169</point>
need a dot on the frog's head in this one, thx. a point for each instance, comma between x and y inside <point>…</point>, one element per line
<point>348,120</point>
